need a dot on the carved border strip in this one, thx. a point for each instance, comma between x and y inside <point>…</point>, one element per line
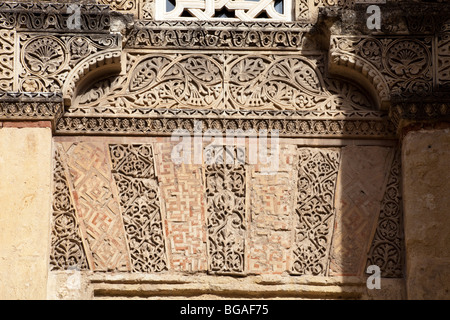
<point>30,106</point>
<point>52,17</point>
<point>325,127</point>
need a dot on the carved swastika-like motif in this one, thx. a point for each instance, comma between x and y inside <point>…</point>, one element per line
<point>183,195</point>
<point>225,197</point>
<point>97,206</point>
<point>244,10</point>
<point>317,175</point>
<point>134,173</point>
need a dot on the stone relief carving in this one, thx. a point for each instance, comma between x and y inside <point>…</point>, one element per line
<point>30,106</point>
<point>67,249</point>
<point>443,62</point>
<point>244,10</point>
<point>134,174</point>
<point>216,81</point>
<point>97,206</point>
<point>395,66</point>
<point>387,246</point>
<point>6,60</point>
<point>47,60</point>
<point>53,16</point>
<point>210,34</point>
<point>226,213</point>
<point>317,175</point>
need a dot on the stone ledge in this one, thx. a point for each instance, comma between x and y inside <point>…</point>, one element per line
<point>149,286</point>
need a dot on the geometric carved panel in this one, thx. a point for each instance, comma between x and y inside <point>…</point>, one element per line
<point>315,211</point>
<point>387,246</point>
<point>363,174</point>
<point>183,196</point>
<point>97,205</point>
<point>135,177</point>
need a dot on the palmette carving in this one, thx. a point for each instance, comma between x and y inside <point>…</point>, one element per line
<point>318,170</point>
<point>66,245</point>
<point>395,66</point>
<point>134,173</point>
<point>48,60</point>
<point>226,216</point>
<point>388,246</point>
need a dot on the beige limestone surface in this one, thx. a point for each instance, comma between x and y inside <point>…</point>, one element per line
<point>426,185</point>
<point>25,199</point>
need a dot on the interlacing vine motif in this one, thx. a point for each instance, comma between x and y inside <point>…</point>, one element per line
<point>387,246</point>
<point>134,173</point>
<point>317,175</point>
<point>225,198</point>
<point>217,81</point>
<point>67,249</point>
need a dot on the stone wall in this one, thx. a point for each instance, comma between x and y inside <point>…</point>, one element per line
<point>97,100</point>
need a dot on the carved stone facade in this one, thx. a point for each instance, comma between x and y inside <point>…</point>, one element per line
<point>117,81</point>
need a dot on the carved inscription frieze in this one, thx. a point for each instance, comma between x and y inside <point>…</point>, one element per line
<point>7,43</point>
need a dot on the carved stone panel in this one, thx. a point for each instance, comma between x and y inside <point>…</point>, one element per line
<point>7,43</point>
<point>47,60</point>
<point>314,209</point>
<point>443,61</point>
<point>387,250</point>
<point>271,206</point>
<point>97,205</point>
<point>225,186</point>
<point>134,173</point>
<point>363,174</point>
<point>182,194</point>
<point>67,249</point>
<point>222,81</point>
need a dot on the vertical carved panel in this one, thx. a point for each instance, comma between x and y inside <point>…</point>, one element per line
<point>6,60</point>
<point>225,197</point>
<point>134,173</point>
<point>183,197</point>
<point>97,206</point>
<point>66,244</point>
<point>387,246</point>
<point>363,173</point>
<point>318,171</point>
